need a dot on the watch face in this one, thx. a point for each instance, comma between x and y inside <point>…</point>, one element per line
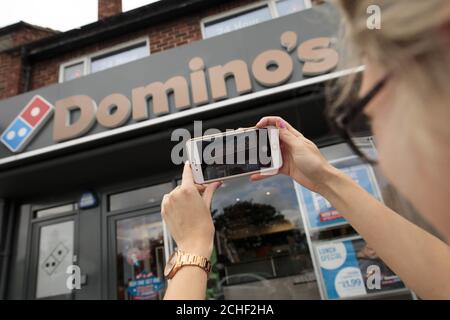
<point>170,264</point>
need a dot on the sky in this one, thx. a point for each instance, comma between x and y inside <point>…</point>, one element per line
<point>60,15</point>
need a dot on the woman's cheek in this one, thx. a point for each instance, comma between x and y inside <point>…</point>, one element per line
<point>388,147</point>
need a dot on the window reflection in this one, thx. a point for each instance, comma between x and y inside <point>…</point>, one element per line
<point>140,258</point>
<point>260,242</point>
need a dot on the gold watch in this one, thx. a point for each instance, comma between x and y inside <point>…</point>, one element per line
<point>179,259</point>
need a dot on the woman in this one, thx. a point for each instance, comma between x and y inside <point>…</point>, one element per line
<point>405,93</point>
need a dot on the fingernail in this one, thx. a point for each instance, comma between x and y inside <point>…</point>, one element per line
<point>281,124</point>
<point>186,162</point>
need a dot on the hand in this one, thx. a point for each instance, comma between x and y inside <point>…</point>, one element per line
<point>186,211</point>
<point>302,160</point>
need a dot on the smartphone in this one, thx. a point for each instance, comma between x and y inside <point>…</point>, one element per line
<point>234,154</point>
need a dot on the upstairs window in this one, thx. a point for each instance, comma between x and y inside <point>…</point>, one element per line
<point>250,15</point>
<point>104,59</point>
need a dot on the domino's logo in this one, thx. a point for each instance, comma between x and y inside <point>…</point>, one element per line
<point>27,124</point>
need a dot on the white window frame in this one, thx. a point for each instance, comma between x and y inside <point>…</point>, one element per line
<point>87,60</point>
<point>270,3</point>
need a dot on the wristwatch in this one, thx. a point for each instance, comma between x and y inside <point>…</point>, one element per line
<point>179,259</point>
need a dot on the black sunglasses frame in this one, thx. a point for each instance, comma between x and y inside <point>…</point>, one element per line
<point>343,116</point>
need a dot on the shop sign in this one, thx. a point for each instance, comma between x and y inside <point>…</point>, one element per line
<point>270,68</point>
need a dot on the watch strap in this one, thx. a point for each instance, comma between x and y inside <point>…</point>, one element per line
<point>189,259</point>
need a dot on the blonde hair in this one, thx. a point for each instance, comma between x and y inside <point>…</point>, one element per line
<point>413,43</point>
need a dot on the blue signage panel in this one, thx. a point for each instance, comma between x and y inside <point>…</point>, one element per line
<point>320,213</point>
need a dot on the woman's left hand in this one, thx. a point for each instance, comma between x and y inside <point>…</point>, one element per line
<point>186,211</point>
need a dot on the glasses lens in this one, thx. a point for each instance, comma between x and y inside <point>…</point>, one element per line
<point>360,132</point>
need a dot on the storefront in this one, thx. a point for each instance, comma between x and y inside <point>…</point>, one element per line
<point>84,165</point>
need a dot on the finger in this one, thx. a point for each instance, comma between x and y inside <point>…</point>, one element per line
<point>258,176</point>
<point>187,178</point>
<point>209,192</point>
<point>288,138</point>
<point>277,122</point>
<point>200,187</point>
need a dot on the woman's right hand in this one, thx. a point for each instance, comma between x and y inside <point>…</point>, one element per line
<point>302,160</point>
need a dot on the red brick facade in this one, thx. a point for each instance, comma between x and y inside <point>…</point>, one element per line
<point>109,8</point>
<point>11,63</point>
<point>164,36</point>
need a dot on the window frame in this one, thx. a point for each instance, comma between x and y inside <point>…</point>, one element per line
<point>87,59</point>
<point>271,4</point>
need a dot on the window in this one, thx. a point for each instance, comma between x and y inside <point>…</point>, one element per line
<point>120,57</point>
<point>103,60</point>
<point>285,7</point>
<point>251,15</point>
<point>74,71</point>
<point>261,250</point>
<point>140,258</point>
<point>149,195</point>
<point>55,255</point>
<point>238,21</point>
<point>55,210</point>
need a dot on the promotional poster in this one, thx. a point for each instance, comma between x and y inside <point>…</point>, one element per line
<point>320,213</point>
<point>351,268</point>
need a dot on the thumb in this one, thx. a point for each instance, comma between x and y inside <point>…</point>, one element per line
<point>209,192</point>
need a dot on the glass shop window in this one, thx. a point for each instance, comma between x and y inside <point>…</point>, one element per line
<point>150,195</point>
<point>140,258</point>
<point>344,260</point>
<point>261,250</point>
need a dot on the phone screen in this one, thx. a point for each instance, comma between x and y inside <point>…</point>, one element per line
<point>234,154</point>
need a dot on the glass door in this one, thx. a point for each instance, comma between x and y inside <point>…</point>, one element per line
<point>53,250</point>
<point>137,256</point>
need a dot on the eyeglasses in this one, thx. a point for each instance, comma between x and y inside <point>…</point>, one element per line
<point>352,124</point>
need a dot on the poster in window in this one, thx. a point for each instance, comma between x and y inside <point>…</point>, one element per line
<point>319,212</point>
<point>351,268</point>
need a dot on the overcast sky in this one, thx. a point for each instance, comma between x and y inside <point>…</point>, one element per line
<point>60,15</point>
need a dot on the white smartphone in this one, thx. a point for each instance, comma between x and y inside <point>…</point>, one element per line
<point>234,154</point>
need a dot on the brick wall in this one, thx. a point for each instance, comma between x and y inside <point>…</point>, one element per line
<point>10,63</point>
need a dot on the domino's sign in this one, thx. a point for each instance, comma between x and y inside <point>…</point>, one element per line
<point>22,129</point>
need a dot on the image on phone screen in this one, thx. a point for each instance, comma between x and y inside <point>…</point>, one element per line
<point>235,154</point>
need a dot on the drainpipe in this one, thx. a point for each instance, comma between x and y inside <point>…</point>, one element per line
<point>25,70</point>
<point>6,232</point>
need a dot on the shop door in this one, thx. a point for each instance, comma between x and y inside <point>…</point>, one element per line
<point>54,246</point>
<point>137,255</point>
